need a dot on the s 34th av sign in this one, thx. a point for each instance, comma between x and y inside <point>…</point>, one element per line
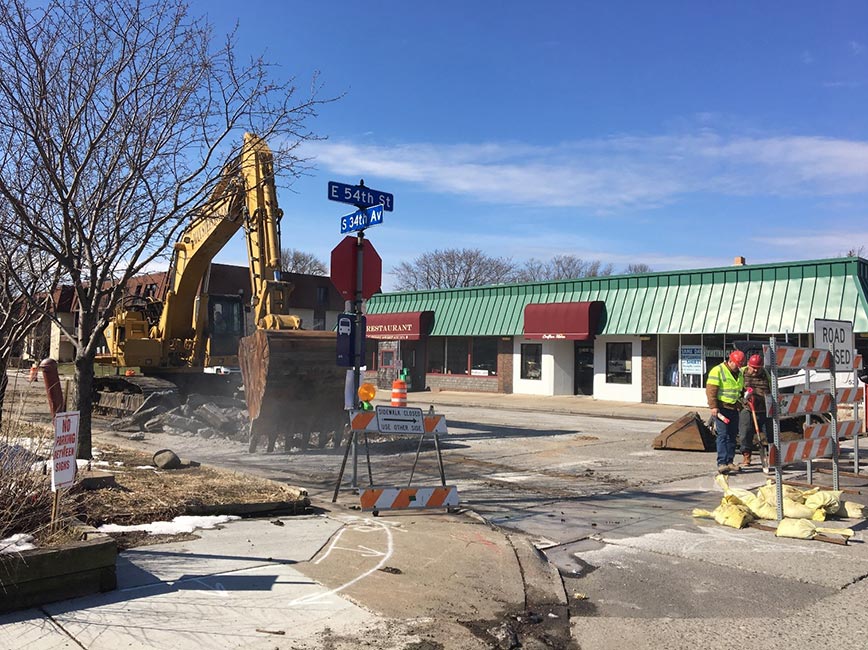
<point>360,196</point>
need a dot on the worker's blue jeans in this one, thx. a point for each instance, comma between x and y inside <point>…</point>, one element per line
<point>727,434</point>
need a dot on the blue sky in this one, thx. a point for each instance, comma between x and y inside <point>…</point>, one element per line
<point>677,134</point>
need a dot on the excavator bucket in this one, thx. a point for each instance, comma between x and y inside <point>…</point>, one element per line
<point>687,433</point>
<point>293,386</point>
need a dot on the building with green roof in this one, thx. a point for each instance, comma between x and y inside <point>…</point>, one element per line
<point>649,337</point>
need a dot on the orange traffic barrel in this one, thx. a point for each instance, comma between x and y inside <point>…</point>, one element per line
<point>34,370</point>
<point>399,393</point>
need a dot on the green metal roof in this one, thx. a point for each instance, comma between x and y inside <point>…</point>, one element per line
<point>762,299</point>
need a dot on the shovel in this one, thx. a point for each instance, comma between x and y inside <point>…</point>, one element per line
<point>762,447</point>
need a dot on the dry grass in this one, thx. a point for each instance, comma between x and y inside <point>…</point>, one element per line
<point>146,495</point>
<point>25,493</point>
<point>139,496</point>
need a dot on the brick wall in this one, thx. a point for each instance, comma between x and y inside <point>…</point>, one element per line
<point>504,366</point>
<point>462,382</point>
<point>649,370</point>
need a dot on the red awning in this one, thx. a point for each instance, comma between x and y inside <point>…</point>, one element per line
<point>576,321</point>
<point>404,326</point>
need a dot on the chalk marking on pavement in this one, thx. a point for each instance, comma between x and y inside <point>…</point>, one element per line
<point>305,600</point>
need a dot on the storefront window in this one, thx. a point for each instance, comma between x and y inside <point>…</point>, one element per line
<point>387,358</point>
<point>669,359</point>
<point>531,360</point>
<point>456,356</point>
<point>483,357</point>
<point>690,361</point>
<point>619,363</point>
<point>436,355</point>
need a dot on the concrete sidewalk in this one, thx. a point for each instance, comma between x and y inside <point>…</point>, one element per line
<point>305,583</point>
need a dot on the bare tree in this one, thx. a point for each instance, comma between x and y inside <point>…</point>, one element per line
<point>561,267</point>
<point>637,268</point>
<point>296,261</point>
<point>451,268</point>
<point>856,251</point>
<point>115,118</point>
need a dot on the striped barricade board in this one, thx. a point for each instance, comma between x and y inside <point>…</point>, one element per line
<point>406,498</point>
<point>846,429</point>
<point>806,403</point>
<point>849,395</point>
<point>370,422</point>
<point>809,358</point>
<point>799,450</point>
<point>787,357</point>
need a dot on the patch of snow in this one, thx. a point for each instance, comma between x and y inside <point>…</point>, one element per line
<point>16,544</point>
<point>179,525</point>
<point>144,467</point>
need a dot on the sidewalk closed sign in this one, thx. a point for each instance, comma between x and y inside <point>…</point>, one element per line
<point>835,335</point>
<point>65,445</point>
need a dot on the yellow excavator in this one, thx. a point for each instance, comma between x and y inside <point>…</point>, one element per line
<point>189,339</point>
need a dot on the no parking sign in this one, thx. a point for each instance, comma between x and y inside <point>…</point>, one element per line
<point>63,465</point>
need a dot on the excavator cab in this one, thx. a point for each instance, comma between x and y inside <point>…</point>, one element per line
<point>225,329</point>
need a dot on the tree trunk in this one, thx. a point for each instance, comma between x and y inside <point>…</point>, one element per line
<point>4,384</point>
<point>83,389</point>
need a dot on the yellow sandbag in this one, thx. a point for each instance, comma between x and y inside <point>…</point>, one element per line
<point>804,529</point>
<point>763,510</point>
<point>727,514</point>
<point>796,510</point>
<point>828,500</point>
<point>732,515</point>
<point>851,510</point>
<point>768,493</point>
<point>741,496</point>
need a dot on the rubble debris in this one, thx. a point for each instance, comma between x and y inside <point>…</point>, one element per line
<point>215,417</point>
<point>167,459</point>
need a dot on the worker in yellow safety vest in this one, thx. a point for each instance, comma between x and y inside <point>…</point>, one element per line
<point>723,389</point>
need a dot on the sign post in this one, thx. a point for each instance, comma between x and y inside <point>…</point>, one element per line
<point>348,270</point>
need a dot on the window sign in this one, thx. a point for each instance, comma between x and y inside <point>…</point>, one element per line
<point>691,360</point>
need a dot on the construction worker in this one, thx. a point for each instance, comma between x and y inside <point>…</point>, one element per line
<point>723,389</point>
<point>752,419</point>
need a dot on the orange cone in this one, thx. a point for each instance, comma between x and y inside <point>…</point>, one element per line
<point>399,393</point>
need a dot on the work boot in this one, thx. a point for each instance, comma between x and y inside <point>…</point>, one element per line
<point>746,461</point>
<point>723,469</point>
<point>733,468</point>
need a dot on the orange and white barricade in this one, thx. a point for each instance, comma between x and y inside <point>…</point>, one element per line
<point>799,450</point>
<point>407,498</point>
<point>400,420</point>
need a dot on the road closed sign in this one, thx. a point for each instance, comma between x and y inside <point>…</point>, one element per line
<point>65,445</point>
<point>836,335</point>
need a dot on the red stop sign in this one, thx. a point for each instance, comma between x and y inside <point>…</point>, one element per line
<point>343,271</point>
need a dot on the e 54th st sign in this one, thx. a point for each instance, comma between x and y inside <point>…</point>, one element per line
<point>360,196</point>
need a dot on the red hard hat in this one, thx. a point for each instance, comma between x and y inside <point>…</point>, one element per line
<point>755,361</point>
<point>737,356</point>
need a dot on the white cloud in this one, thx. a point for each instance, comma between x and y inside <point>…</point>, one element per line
<point>617,173</point>
<point>856,48</point>
<point>815,244</point>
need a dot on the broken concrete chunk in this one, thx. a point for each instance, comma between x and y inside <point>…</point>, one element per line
<point>213,415</point>
<point>167,459</point>
<point>169,399</point>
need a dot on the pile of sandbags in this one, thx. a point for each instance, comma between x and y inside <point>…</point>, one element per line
<point>740,507</point>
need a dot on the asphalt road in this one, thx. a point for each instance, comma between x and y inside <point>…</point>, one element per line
<point>614,516</point>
